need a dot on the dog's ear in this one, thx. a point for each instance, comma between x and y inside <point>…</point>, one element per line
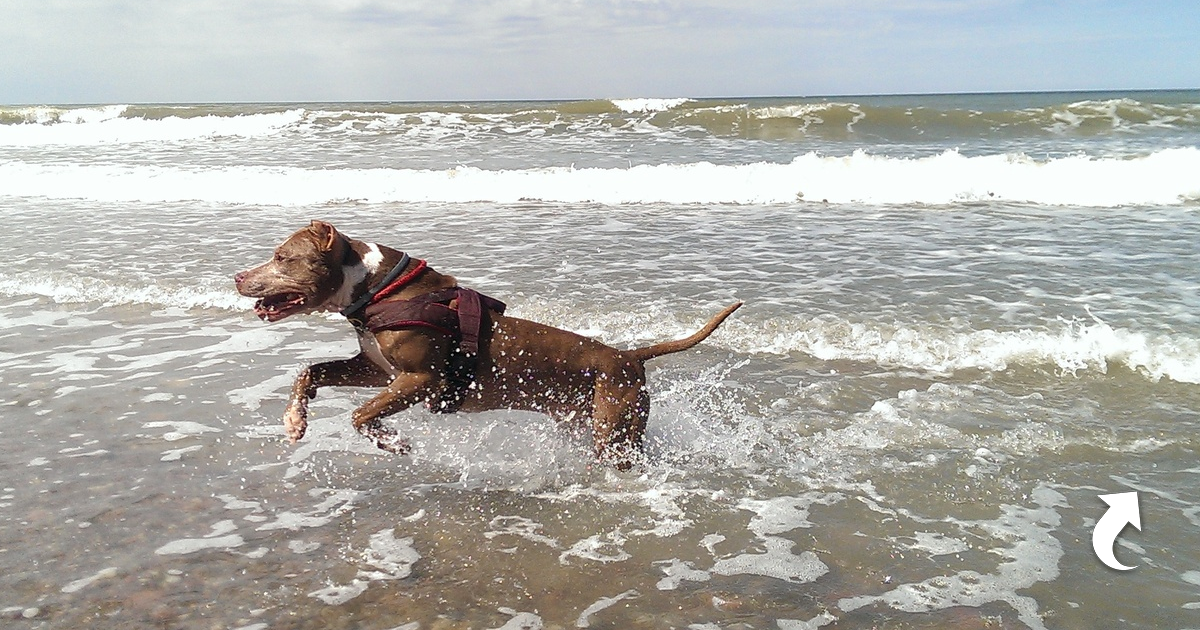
<point>326,234</point>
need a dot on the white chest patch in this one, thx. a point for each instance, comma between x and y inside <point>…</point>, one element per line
<point>370,347</point>
<point>373,258</point>
<point>353,274</point>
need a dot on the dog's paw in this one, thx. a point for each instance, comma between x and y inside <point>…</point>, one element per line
<point>295,423</point>
<point>386,438</point>
<point>394,444</point>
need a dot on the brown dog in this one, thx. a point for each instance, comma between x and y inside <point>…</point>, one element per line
<point>425,340</point>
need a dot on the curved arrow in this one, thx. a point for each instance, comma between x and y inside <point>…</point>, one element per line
<point>1122,511</point>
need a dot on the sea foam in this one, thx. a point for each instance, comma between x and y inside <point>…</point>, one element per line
<point>1166,177</point>
<point>107,125</point>
<point>646,105</point>
<point>1069,347</point>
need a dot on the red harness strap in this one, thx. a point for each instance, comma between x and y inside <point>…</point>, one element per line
<point>400,282</point>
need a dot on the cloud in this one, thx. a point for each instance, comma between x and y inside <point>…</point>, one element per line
<point>205,50</point>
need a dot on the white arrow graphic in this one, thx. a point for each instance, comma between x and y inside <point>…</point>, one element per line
<point>1122,511</point>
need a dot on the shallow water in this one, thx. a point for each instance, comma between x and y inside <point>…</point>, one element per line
<point>894,455</point>
<point>907,426</point>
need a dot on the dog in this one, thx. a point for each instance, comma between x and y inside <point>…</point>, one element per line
<point>424,339</point>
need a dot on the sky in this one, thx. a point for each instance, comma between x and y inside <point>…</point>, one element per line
<point>161,51</point>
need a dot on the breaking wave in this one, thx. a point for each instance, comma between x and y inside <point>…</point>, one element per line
<point>1075,347</point>
<point>71,289</point>
<point>873,119</point>
<point>1166,177</point>
<point>125,124</point>
<point>1072,348</point>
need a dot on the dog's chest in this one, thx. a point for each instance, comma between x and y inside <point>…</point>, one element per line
<point>370,347</point>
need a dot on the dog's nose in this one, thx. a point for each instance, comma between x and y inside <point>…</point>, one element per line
<point>239,277</point>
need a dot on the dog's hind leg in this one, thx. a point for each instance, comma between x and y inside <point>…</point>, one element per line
<point>357,371</point>
<point>620,409</point>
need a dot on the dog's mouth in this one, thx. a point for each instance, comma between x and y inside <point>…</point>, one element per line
<point>276,307</point>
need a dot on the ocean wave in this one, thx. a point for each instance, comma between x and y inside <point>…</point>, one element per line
<point>769,119</point>
<point>1166,177</point>
<point>1074,347</point>
<point>48,114</point>
<point>1114,114</point>
<point>71,289</point>
<point>1079,118</point>
<point>114,124</point>
<point>646,105</point>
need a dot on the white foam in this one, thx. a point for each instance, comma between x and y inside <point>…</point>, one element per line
<point>336,504</point>
<point>936,544</point>
<point>252,396</point>
<point>819,621</point>
<point>182,429</point>
<point>387,558</point>
<point>45,115</point>
<point>233,503</point>
<point>667,518</point>
<point>677,571</point>
<point>585,618</point>
<point>521,527</point>
<point>521,621</point>
<point>810,113</point>
<point>1032,557</point>
<point>106,125</point>
<point>605,548</point>
<point>777,562</point>
<point>390,558</point>
<point>646,105</point>
<point>1121,114</point>
<point>1162,178</point>
<point>175,455</point>
<point>783,514</point>
<point>219,538</point>
<point>1074,347</point>
<point>301,547</point>
<point>83,583</point>
<point>72,289</point>
<point>336,595</point>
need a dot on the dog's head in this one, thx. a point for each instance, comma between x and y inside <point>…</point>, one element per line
<point>304,273</point>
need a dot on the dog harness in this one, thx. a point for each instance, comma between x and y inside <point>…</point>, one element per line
<point>456,312</point>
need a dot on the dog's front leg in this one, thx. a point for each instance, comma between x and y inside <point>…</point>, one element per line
<point>357,371</point>
<point>406,390</point>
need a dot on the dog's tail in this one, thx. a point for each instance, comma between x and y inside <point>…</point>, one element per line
<point>679,345</point>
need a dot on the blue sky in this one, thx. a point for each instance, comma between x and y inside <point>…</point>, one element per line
<point>89,51</point>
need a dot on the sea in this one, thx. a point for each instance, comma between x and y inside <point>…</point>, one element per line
<point>967,319</point>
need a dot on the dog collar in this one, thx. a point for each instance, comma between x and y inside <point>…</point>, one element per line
<point>386,283</point>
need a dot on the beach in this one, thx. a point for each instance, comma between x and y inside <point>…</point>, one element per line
<point>966,318</point>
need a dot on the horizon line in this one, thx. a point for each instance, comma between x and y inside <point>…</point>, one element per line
<point>610,99</point>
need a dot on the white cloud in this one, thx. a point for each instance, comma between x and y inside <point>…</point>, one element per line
<point>203,50</point>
